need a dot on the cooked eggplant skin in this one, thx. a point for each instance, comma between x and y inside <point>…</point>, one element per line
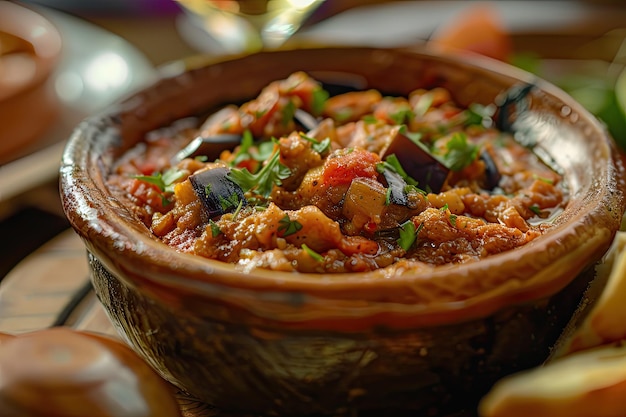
<point>419,164</point>
<point>513,100</point>
<point>397,185</point>
<point>218,194</point>
<point>492,174</point>
<point>209,146</point>
<point>306,120</point>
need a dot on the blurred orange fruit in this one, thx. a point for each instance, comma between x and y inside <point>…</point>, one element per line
<point>478,29</point>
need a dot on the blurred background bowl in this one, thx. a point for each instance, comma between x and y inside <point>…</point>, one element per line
<point>30,47</point>
<point>296,344</point>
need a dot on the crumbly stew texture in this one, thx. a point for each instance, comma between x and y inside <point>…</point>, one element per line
<point>297,180</point>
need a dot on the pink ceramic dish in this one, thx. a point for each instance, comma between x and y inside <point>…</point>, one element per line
<point>267,342</point>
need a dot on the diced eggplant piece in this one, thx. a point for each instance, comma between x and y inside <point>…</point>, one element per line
<point>218,194</point>
<point>418,163</point>
<point>396,184</point>
<point>388,234</point>
<point>211,146</point>
<point>512,101</point>
<point>492,174</point>
<point>306,120</point>
<point>365,202</point>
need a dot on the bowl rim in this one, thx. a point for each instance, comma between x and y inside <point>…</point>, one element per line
<point>105,231</point>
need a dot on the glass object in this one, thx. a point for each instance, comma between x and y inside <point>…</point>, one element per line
<point>250,25</point>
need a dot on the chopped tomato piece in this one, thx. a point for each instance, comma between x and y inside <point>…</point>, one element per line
<point>345,166</point>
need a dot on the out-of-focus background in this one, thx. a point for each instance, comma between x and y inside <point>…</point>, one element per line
<point>105,49</point>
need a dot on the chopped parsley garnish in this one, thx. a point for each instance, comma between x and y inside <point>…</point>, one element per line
<point>215,229</point>
<point>460,153</point>
<point>535,209</point>
<point>237,210</point>
<point>229,202</point>
<point>452,219</point>
<point>164,181</point>
<point>318,146</point>
<point>263,181</point>
<point>288,111</point>
<point>264,150</point>
<point>408,235</point>
<point>312,253</point>
<point>413,189</point>
<point>243,153</point>
<point>388,196</point>
<point>392,163</point>
<point>477,114</point>
<point>444,208</point>
<point>288,227</point>
<point>343,114</point>
<point>401,115</point>
<point>370,119</point>
<point>543,179</point>
<point>319,101</point>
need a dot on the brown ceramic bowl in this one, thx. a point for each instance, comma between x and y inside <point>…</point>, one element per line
<point>284,344</point>
<point>30,47</point>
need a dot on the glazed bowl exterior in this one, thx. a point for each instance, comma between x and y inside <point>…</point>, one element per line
<point>278,343</point>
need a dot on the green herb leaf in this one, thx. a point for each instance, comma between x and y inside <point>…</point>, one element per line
<point>343,114</point>
<point>452,219</point>
<point>215,229</point>
<point>460,153</point>
<point>319,101</point>
<point>237,210</point>
<point>476,114</point>
<point>263,181</point>
<point>243,153</point>
<point>543,179</point>
<point>370,119</point>
<point>408,235</point>
<point>288,227</point>
<point>312,253</point>
<point>288,111</point>
<point>401,115</point>
<point>413,189</point>
<point>535,209</point>
<point>444,208</point>
<point>230,202</point>
<point>392,163</point>
<point>319,147</point>
<point>164,181</point>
